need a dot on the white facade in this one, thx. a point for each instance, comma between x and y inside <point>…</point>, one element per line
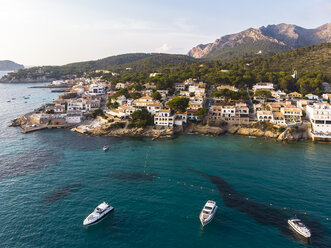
<point>228,111</point>
<point>266,116</point>
<point>312,97</point>
<point>164,118</point>
<point>263,86</point>
<point>319,115</point>
<point>97,89</point>
<point>74,119</point>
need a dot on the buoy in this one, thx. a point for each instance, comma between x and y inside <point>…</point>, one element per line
<point>284,208</point>
<point>305,213</point>
<point>201,187</point>
<point>327,218</point>
<point>270,204</point>
<point>192,185</point>
<point>247,199</point>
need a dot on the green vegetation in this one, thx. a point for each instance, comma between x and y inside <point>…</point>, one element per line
<point>247,50</point>
<point>230,94</point>
<point>201,112</point>
<point>157,96</point>
<point>141,118</point>
<point>178,104</point>
<point>265,94</point>
<point>97,112</point>
<point>313,65</point>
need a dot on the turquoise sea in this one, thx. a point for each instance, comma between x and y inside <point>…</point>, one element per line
<point>51,180</point>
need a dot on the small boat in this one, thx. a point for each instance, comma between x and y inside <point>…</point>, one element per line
<point>99,213</point>
<point>252,137</point>
<point>13,98</point>
<point>208,212</point>
<point>105,148</point>
<point>8,101</point>
<point>299,227</point>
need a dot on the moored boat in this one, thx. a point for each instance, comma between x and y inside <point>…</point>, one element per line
<point>208,212</point>
<point>105,148</point>
<point>99,213</point>
<point>299,227</point>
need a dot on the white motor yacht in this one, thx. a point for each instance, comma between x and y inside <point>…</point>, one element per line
<point>299,227</point>
<point>98,214</point>
<point>208,212</point>
<point>105,148</point>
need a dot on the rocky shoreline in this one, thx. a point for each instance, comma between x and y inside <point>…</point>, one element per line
<point>290,134</point>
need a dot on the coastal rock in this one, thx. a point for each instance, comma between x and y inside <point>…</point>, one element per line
<point>251,131</point>
<point>19,122</point>
<point>232,129</point>
<point>206,129</point>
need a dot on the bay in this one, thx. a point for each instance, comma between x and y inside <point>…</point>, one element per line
<point>51,180</point>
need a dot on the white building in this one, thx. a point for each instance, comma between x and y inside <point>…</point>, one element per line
<point>74,118</point>
<point>97,89</point>
<point>312,97</point>
<point>121,86</point>
<point>164,118</point>
<point>263,86</point>
<point>143,101</point>
<point>228,111</point>
<point>319,115</point>
<point>265,116</point>
<point>154,108</point>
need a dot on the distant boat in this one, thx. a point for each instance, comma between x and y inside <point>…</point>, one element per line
<point>26,97</point>
<point>252,137</point>
<point>208,212</point>
<point>105,148</point>
<point>99,213</point>
<point>299,227</point>
<point>8,101</point>
<point>13,98</point>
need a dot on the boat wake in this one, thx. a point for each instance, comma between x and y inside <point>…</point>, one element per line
<point>267,215</point>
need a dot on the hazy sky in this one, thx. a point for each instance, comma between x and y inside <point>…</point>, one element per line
<point>51,32</point>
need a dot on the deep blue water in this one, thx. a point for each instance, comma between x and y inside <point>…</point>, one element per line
<point>51,180</point>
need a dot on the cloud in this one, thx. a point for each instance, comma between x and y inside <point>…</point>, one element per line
<point>163,49</point>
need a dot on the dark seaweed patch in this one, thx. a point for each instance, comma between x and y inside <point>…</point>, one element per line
<point>61,193</point>
<point>26,162</point>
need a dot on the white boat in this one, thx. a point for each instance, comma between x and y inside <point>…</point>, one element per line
<point>208,212</point>
<point>99,213</point>
<point>105,148</point>
<point>299,227</point>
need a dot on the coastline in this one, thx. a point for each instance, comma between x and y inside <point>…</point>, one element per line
<point>289,135</point>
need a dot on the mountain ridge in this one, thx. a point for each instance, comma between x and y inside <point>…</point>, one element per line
<point>276,39</point>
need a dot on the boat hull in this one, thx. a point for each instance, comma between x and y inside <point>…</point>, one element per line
<point>97,220</point>
<point>209,219</point>
<point>297,231</point>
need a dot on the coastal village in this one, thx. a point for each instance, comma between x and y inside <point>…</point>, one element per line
<point>91,105</point>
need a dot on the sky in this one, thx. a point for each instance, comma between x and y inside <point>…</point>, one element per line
<point>56,32</point>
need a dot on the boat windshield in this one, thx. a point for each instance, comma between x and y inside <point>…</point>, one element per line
<point>206,212</point>
<point>209,208</point>
<point>99,210</point>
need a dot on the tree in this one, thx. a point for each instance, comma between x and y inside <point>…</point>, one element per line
<point>97,112</point>
<point>263,94</point>
<point>135,95</point>
<point>157,96</point>
<point>178,104</point>
<point>112,104</point>
<point>201,112</point>
<point>141,118</point>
